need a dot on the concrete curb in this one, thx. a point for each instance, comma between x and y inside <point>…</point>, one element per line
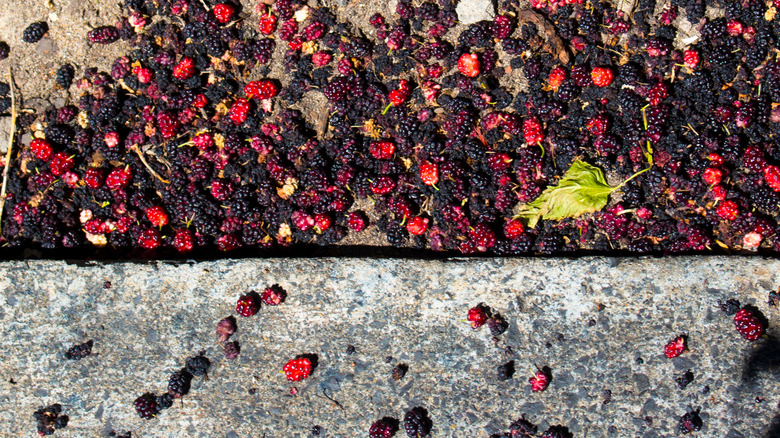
<point>155,315</point>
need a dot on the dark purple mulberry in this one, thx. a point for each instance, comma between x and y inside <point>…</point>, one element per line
<point>64,77</point>
<point>416,423</point>
<point>34,32</point>
<point>337,89</point>
<point>198,365</point>
<point>179,383</point>
<point>146,406</point>
<point>164,401</point>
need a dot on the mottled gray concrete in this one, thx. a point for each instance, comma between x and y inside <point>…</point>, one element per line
<point>155,315</point>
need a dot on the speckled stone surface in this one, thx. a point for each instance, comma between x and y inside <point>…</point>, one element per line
<point>155,315</point>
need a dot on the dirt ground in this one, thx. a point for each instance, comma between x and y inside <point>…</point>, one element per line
<point>34,66</point>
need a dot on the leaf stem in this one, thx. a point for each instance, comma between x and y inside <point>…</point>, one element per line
<point>631,177</point>
<point>648,153</point>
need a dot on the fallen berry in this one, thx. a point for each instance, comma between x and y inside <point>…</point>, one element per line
<point>468,64</point>
<point>416,423</point>
<point>103,35</point>
<point>690,422</point>
<point>146,406</point>
<point>728,210</point>
<point>48,419</point>
<point>185,69</point>
<point>513,229</point>
<point>231,350</point>
<point>144,75</point>
<point>41,148</point>
<point>384,428</point>
<point>429,173</point>
<point>274,295</point>
<point>556,77</point>
<point>34,32</point>
<point>223,12</point>
<point>478,315</point>
<point>772,177</point>
<point>226,327</point>
<point>183,240</point>
<point>399,371</point>
<point>298,369</point>
<point>239,111</point>
<point>267,23</point>
<point>397,97</point>
<point>482,237</point>
<point>597,125</point>
<point>748,325</point>
<point>684,380</point>
<point>532,131</point>
<point>119,178</point>
<point>157,216</point>
<point>263,89</point>
<point>179,383</point>
<point>322,222</point>
<point>80,351</point>
<point>357,221</point>
<point>64,78</point>
<point>417,225</point>
<point>691,58</point>
<point>712,175</point>
<point>248,304</point>
<point>198,365</point>
<point>601,76</point>
<point>61,163</point>
<point>149,238</point>
<point>382,150</point>
<point>557,431</point>
<point>314,31</point>
<point>506,371</point>
<point>540,380</point>
<point>497,325</point>
<point>321,59</point>
<point>522,428</point>
<point>676,347</point>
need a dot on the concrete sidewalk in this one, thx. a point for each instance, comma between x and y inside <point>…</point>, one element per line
<point>153,316</point>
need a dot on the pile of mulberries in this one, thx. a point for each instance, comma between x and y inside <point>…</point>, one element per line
<point>186,145</point>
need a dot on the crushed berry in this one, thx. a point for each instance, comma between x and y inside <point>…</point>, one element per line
<point>49,419</point>
<point>79,351</point>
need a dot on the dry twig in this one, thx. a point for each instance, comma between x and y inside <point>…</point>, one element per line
<point>143,160</point>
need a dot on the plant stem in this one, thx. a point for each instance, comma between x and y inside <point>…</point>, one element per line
<point>632,177</point>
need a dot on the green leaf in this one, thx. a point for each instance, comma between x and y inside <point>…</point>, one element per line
<point>583,189</point>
